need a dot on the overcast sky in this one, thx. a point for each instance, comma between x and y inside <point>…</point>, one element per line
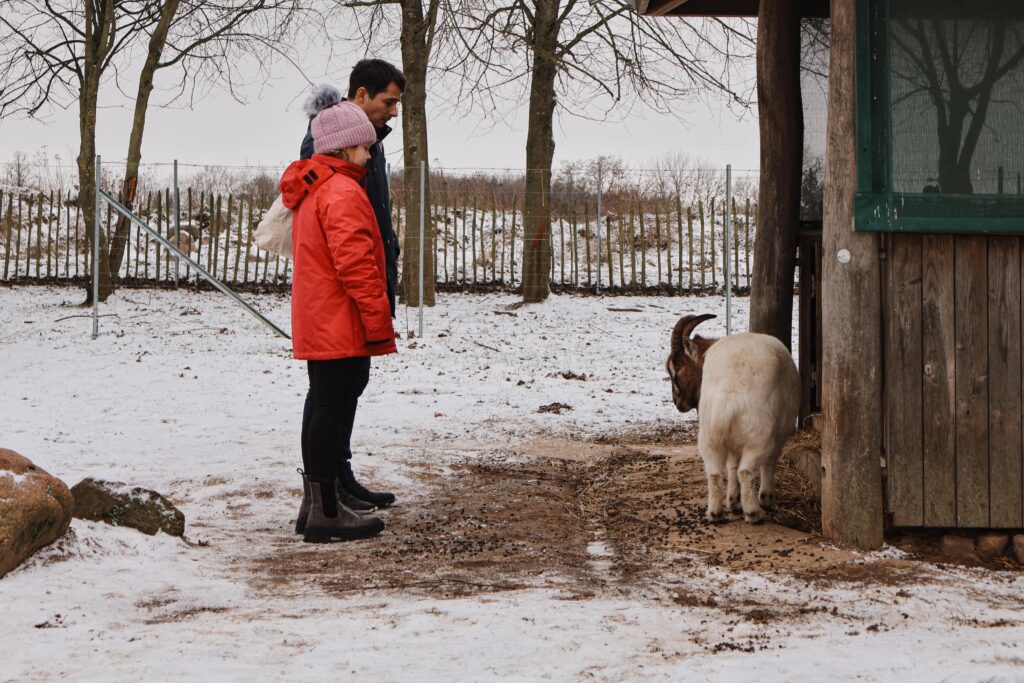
<point>267,130</point>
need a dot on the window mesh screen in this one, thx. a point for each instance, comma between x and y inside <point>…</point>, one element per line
<point>956,93</point>
<point>814,52</point>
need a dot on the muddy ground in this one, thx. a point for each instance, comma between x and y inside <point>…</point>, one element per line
<point>608,515</point>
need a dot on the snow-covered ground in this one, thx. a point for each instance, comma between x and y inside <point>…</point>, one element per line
<point>185,394</point>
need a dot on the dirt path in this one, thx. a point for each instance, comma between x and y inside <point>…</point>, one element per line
<point>582,517</point>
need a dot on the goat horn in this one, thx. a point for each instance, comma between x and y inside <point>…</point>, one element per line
<point>684,328</point>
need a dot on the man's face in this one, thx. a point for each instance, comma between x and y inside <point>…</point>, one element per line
<point>382,107</point>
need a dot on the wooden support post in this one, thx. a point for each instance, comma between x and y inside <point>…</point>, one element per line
<point>780,113</point>
<point>851,503</point>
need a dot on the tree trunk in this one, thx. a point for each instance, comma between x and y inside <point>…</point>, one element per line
<point>851,447</point>
<point>540,149</point>
<point>781,119</point>
<point>129,187</point>
<point>416,29</point>
<point>98,23</point>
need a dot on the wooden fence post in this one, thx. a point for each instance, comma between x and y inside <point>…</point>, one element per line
<point>494,234</point>
<point>238,242</point>
<point>28,238</point>
<point>9,224</point>
<point>632,246</point>
<point>714,252</point>
<point>512,242</point>
<point>608,241</point>
<point>561,251</point>
<point>67,232</point>
<point>586,240</point>
<point>49,235</point>
<point>574,262</point>
<point>700,214</point>
<point>668,245</point>
<point>473,236</point>
<point>248,240</point>
<point>643,247</point>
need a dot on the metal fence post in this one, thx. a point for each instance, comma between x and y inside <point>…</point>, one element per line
<point>597,287</point>
<point>177,225</point>
<point>423,220</point>
<point>96,255</point>
<point>728,249</point>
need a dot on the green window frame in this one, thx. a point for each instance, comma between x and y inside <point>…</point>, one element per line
<point>877,206</point>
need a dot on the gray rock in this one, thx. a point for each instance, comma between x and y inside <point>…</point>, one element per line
<point>959,548</point>
<point>122,505</point>
<point>35,509</point>
<point>992,545</point>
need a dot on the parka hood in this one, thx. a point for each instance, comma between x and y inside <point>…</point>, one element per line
<point>302,177</point>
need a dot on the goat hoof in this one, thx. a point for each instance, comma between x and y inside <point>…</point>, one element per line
<point>756,517</point>
<point>735,505</point>
<point>767,500</point>
<point>716,517</point>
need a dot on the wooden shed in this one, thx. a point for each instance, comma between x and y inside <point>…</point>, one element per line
<point>920,298</point>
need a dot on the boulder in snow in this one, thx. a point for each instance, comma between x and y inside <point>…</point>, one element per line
<point>122,505</point>
<point>35,509</point>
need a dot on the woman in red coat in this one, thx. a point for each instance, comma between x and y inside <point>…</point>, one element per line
<point>340,311</point>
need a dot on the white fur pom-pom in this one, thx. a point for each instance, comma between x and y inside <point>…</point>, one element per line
<point>322,97</point>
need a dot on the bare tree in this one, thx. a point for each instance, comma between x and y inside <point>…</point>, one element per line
<point>202,41</point>
<point>599,55</point>
<point>432,42</point>
<point>55,52</point>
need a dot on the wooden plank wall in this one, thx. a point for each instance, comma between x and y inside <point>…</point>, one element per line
<point>953,377</point>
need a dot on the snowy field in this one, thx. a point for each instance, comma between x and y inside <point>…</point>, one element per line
<point>185,394</point>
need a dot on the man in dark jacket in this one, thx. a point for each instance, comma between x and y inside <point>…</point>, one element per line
<point>376,86</point>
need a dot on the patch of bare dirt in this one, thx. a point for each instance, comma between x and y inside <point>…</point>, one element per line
<point>530,517</point>
<point>486,525</point>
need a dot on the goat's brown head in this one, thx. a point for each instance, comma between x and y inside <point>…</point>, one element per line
<point>685,363</point>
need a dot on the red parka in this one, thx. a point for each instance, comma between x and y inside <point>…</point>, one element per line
<point>339,287</point>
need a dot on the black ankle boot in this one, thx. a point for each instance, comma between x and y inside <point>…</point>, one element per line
<point>347,482</point>
<point>351,502</point>
<point>344,525</point>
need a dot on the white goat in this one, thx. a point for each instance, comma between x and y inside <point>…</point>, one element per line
<point>747,393</point>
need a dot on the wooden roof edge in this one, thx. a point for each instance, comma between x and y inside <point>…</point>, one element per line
<point>717,8</point>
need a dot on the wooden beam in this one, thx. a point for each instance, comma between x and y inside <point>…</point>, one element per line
<point>851,505</point>
<point>720,8</point>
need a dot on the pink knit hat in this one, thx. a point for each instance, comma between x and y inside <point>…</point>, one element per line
<point>343,125</point>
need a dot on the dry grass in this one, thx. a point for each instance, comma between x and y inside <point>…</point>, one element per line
<point>796,498</point>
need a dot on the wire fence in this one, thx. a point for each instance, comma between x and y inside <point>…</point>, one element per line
<point>658,230</point>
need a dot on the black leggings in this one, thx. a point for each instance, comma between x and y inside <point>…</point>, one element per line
<point>334,390</point>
